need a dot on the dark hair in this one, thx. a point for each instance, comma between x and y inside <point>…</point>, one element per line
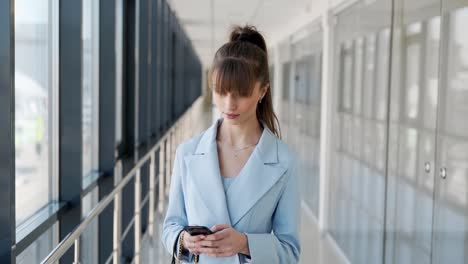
<point>239,64</point>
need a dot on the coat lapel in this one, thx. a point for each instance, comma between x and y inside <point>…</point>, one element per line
<point>203,168</point>
<point>258,175</point>
<point>256,178</point>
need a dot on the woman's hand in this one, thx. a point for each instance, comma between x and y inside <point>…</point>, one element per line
<point>192,243</point>
<point>225,242</point>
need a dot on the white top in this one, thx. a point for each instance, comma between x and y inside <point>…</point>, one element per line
<point>227,182</point>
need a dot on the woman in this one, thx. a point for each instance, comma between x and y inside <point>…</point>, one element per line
<point>237,178</point>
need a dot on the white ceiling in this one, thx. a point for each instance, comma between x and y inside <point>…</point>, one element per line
<point>208,22</point>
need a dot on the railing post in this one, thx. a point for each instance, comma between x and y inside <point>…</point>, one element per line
<point>168,163</point>
<point>179,134</point>
<point>117,228</point>
<point>161,177</point>
<point>151,194</point>
<point>77,251</point>
<point>173,149</point>
<point>137,227</point>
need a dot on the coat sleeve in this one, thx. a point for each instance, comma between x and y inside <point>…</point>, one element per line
<point>282,245</point>
<point>176,217</point>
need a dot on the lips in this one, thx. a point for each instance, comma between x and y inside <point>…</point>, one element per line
<point>231,116</point>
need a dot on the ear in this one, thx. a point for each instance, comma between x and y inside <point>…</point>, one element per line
<point>265,89</point>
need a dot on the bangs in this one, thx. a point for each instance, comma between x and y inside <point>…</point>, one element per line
<point>233,75</point>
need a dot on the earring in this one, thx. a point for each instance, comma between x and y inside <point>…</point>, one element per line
<point>260,101</point>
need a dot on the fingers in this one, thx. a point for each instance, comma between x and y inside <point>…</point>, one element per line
<point>217,228</point>
<point>220,235</point>
<point>195,238</point>
<point>191,243</point>
<point>209,244</point>
<point>217,252</point>
<point>213,245</point>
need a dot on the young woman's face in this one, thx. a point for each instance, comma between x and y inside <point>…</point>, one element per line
<point>237,109</point>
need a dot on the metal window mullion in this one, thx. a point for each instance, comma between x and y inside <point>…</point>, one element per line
<point>149,61</point>
<point>70,116</point>
<point>7,123</point>
<point>136,59</point>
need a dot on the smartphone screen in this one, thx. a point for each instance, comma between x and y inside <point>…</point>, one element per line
<point>198,230</point>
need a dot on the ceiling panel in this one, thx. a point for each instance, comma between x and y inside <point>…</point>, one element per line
<point>208,22</point>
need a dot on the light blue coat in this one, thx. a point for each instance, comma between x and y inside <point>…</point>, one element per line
<point>262,202</point>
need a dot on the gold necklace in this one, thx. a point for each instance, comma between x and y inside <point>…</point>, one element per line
<point>238,149</point>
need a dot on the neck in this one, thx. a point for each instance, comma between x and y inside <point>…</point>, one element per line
<point>241,134</point>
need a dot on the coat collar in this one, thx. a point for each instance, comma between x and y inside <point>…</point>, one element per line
<point>259,174</point>
<point>267,145</point>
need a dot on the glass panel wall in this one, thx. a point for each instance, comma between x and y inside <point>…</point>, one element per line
<point>358,146</point>
<point>36,40</point>
<point>412,131</point>
<point>399,162</point>
<point>284,81</point>
<point>450,240</point>
<point>89,239</point>
<point>40,248</point>
<point>304,134</point>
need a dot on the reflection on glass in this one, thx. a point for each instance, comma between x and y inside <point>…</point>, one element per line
<point>382,74</point>
<point>415,60</point>
<point>369,76</point>
<point>357,180</point>
<point>451,213</point>
<point>457,75</point>
<point>90,38</point>
<point>358,76</point>
<point>40,248</point>
<point>304,134</point>
<point>89,238</point>
<point>432,73</point>
<point>413,50</point>
<point>33,99</point>
<point>347,66</point>
<point>284,115</point>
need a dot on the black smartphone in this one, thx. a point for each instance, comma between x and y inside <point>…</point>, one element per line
<point>198,230</point>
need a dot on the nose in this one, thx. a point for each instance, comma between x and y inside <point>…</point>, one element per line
<point>231,102</point>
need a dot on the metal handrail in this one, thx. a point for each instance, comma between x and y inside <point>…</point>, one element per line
<point>73,238</point>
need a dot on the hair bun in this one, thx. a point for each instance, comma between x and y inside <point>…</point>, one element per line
<point>248,34</point>
<point>242,37</point>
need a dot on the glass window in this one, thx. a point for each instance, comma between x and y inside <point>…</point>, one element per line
<point>457,75</point>
<point>302,81</point>
<point>286,80</point>
<point>89,238</point>
<point>358,76</point>
<point>346,77</point>
<point>382,74</point>
<point>271,71</point>
<point>432,73</point>
<point>36,49</point>
<point>90,38</point>
<point>40,248</point>
<point>412,80</point>
<point>369,76</point>
<point>451,197</point>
